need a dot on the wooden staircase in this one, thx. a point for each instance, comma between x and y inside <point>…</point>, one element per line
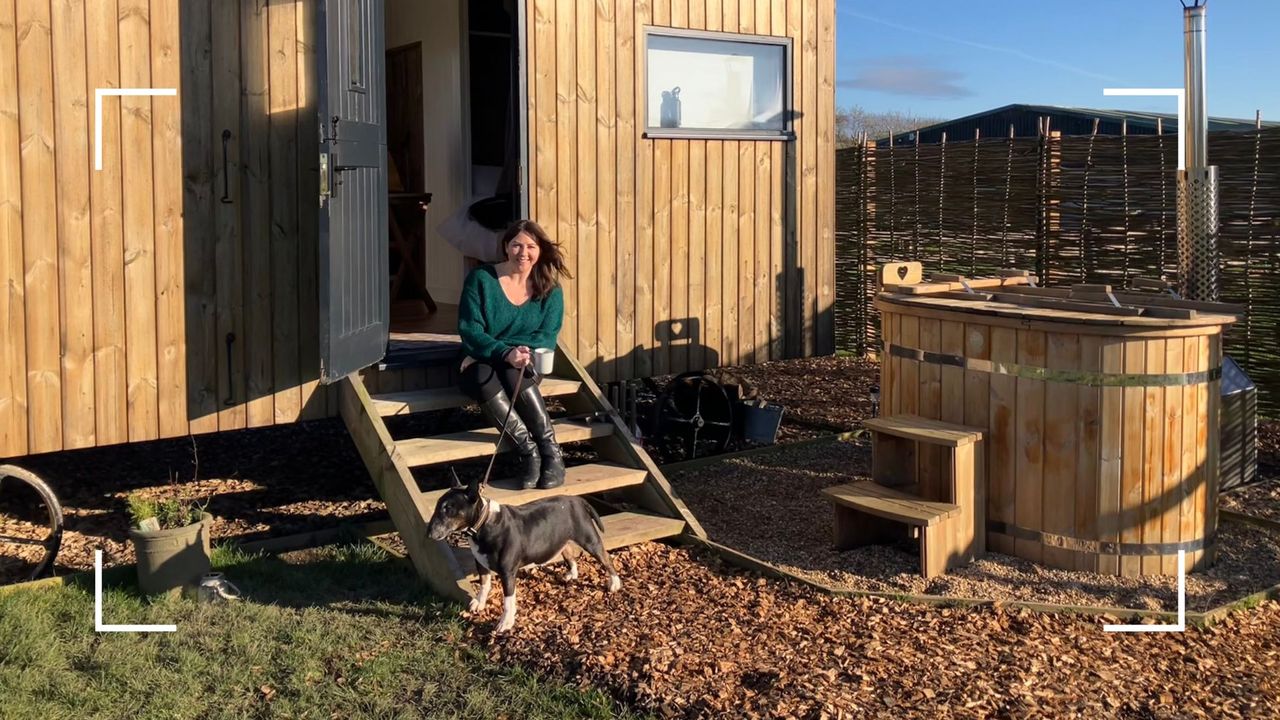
<point>622,467</point>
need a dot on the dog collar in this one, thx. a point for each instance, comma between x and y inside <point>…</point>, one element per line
<point>480,521</point>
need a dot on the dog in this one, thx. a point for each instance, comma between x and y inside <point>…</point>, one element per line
<point>505,539</point>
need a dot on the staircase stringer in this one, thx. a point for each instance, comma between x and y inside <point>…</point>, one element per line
<point>433,559</point>
<point>655,495</point>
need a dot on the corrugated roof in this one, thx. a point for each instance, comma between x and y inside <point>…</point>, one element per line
<point>1136,119</point>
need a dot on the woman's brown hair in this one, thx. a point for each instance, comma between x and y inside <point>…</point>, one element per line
<point>550,266</point>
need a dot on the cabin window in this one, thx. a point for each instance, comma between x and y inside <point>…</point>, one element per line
<point>717,85</point>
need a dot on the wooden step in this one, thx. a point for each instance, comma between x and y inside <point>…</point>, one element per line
<point>628,528</point>
<point>578,480</point>
<point>886,502</point>
<point>412,401</point>
<point>933,432</point>
<point>468,444</point>
<point>620,530</point>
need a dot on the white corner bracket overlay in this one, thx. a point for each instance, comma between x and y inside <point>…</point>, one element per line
<point>100,93</point>
<point>1182,606</point>
<point>97,606</point>
<point>1179,93</point>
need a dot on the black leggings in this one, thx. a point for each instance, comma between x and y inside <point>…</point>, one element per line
<point>483,379</point>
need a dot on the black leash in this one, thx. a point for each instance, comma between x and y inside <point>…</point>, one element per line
<point>498,446</point>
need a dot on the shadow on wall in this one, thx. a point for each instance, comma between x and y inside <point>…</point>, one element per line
<point>251,178</point>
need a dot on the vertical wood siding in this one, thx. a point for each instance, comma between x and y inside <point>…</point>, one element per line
<point>686,253</point>
<point>120,286</point>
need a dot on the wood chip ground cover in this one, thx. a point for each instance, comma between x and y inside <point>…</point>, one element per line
<point>689,637</point>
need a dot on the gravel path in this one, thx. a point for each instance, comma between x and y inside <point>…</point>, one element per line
<point>769,506</point>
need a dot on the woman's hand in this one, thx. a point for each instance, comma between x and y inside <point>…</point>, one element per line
<point>519,357</point>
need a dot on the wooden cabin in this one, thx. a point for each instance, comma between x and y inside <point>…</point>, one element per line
<point>232,256</point>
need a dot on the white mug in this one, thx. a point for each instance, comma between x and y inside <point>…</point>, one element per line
<point>544,360</point>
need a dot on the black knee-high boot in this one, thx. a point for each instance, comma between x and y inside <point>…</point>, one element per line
<point>495,410</point>
<point>533,410</point>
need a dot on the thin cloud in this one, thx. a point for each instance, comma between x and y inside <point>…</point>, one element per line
<point>979,45</point>
<point>907,75</point>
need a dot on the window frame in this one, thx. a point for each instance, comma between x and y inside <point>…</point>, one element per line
<point>787,133</point>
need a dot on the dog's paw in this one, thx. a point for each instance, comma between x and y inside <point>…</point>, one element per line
<point>474,606</point>
<point>571,575</point>
<point>615,583</point>
<point>504,626</point>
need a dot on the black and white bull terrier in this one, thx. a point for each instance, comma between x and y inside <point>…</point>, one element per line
<point>505,539</point>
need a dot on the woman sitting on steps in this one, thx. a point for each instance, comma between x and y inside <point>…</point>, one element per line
<point>507,311</point>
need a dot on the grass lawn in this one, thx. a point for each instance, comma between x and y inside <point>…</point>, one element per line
<point>336,632</point>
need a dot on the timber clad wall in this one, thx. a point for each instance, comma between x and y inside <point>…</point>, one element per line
<point>121,286</point>
<point>686,253</point>
<point>173,292</point>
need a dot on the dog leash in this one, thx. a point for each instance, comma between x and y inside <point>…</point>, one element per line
<point>498,446</point>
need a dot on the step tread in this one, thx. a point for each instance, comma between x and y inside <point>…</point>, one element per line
<point>890,503</point>
<point>628,528</point>
<point>469,444</point>
<point>621,529</point>
<point>933,432</point>
<point>446,398</point>
<point>579,480</point>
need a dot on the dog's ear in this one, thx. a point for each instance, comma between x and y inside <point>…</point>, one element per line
<point>457,484</point>
<point>473,489</point>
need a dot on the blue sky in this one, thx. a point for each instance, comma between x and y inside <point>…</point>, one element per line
<point>949,58</point>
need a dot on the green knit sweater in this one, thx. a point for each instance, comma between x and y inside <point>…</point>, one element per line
<point>490,325</point>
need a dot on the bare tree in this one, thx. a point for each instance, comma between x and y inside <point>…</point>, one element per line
<point>852,122</point>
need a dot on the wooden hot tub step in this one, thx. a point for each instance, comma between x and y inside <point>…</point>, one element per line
<point>405,403</point>
<point>933,432</point>
<point>469,444</point>
<point>891,504</point>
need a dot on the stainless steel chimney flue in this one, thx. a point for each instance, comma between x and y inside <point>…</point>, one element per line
<point>1198,182</point>
<point>1193,77</point>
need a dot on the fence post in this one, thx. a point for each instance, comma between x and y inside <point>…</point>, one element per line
<point>943,266</point>
<point>915,228</point>
<point>1164,199</point>
<point>893,203</point>
<point>1047,178</point>
<point>1248,243</point>
<point>1088,262</point>
<point>973,242</point>
<point>866,324</point>
<point>1008,184</point>
<point>1124,176</point>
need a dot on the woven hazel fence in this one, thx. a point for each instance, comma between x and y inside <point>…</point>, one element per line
<point>1090,208</point>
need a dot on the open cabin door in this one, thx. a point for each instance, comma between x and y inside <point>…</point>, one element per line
<point>354,294</point>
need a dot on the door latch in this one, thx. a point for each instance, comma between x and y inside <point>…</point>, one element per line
<point>324,177</point>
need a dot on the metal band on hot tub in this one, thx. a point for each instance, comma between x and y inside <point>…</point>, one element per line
<point>1075,377</point>
<point>1103,547</point>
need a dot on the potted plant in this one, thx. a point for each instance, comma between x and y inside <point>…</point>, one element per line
<point>171,541</point>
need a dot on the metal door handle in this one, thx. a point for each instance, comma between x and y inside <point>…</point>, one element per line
<point>231,338</point>
<point>226,177</point>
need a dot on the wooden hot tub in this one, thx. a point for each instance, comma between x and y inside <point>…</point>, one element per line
<point>1101,415</point>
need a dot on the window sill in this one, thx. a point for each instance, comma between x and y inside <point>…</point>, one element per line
<point>693,134</point>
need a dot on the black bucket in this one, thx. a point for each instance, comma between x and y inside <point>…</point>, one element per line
<point>760,421</point>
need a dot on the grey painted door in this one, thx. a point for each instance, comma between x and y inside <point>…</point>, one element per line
<point>354,297</point>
